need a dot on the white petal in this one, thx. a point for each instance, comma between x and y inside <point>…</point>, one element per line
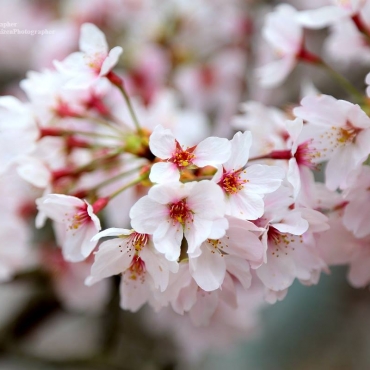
<point>292,223</point>
<point>262,179</point>
<point>73,63</point>
<point>294,177</point>
<point>356,216</point>
<point>147,214</point>
<point>112,258</point>
<point>196,233</point>
<point>164,172</point>
<point>212,151</point>
<point>294,129</point>
<point>77,245</point>
<point>239,269</point>
<point>171,192</point>
<point>322,110</point>
<point>158,267</point>
<point>111,60</point>
<point>162,143</point>
<point>94,218</point>
<point>245,205</point>
<point>282,31</point>
<point>208,270</point>
<point>274,73</point>
<point>34,171</point>
<point>92,40</point>
<point>339,167</point>
<point>240,146</point>
<point>219,228</point>
<point>243,244</point>
<point>133,293</point>
<point>278,273</point>
<point>321,17</point>
<point>204,308</point>
<point>206,200</point>
<point>113,231</point>
<point>59,206</point>
<point>167,240</point>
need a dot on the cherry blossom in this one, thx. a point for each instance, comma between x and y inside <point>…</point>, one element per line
<point>18,131</point>
<point>234,252</point>
<point>347,44</point>
<point>222,221</point>
<point>75,224</point>
<point>68,281</point>
<point>209,152</point>
<point>285,35</point>
<point>253,114</point>
<point>185,295</point>
<point>290,244</point>
<point>327,15</point>
<point>15,252</point>
<point>93,61</point>
<point>356,212</point>
<point>131,254</point>
<point>337,132</point>
<point>244,187</point>
<point>173,210</point>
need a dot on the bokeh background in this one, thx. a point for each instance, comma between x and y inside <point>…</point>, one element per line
<point>206,52</point>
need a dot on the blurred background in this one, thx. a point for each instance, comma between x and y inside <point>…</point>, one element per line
<point>204,53</point>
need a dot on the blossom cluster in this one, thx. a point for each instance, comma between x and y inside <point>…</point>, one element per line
<point>208,226</point>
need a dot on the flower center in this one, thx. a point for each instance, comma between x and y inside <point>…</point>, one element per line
<point>216,246</point>
<point>232,183</point>
<point>138,241</point>
<point>183,158</point>
<point>137,268</point>
<point>347,135</point>
<point>180,212</point>
<point>79,218</point>
<point>95,61</point>
<point>282,244</point>
<point>305,155</point>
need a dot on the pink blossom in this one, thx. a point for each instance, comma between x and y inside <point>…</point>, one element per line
<point>186,296</point>
<point>18,131</point>
<point>209,152</point>
<point>15,251</point>
<point>301,163</point>
<point>131,254</point>
<point>337,132</point>
<point>327,15</point>
<point>244,187</point>
<point>173,210</point>
<point>356,217</point>
<point>346,44</point>
<point>75,224</point>
<point>68,281</point>
<point>290,243</point>
<point>93,61</point>
<point>234,253</point>
<point>258,118</point>
<point>285,35</point>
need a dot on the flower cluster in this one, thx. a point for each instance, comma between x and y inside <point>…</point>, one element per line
<point>198,223</point>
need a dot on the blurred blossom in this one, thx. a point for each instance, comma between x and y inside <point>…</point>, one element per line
<point>147,165</point>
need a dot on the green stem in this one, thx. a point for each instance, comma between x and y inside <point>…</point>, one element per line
<point>130,184</point>
<point>348,86</point>
<point>92,134</point>
<point>130,108</point>
<point>114,178</point>
<point>98,160</point>
<point>105,124</point>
